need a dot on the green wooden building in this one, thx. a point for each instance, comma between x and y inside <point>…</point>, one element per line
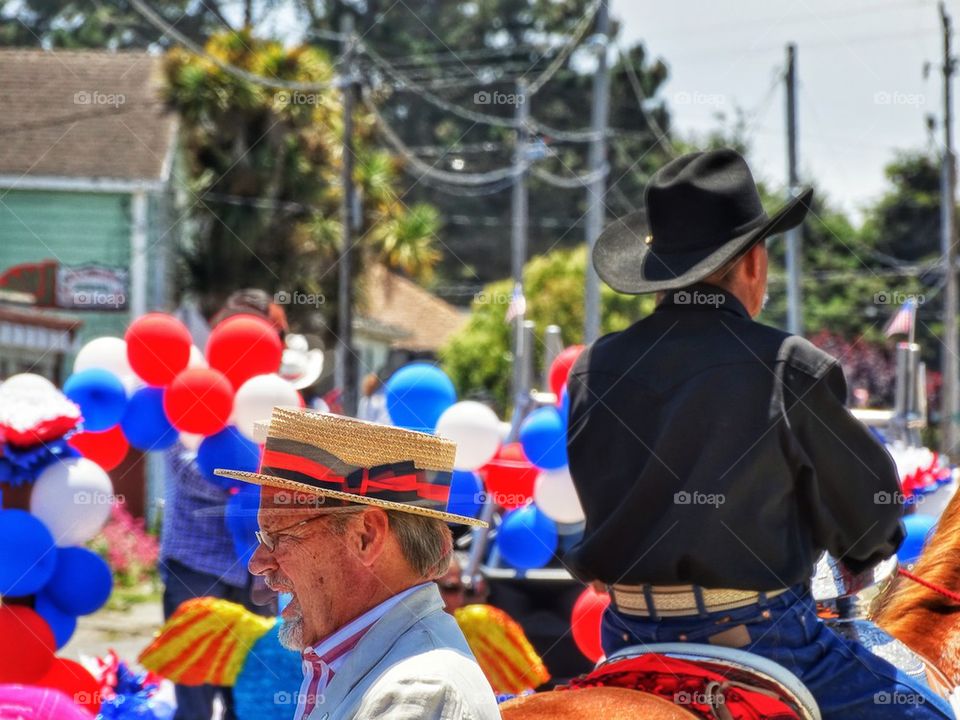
<point>87,220</point>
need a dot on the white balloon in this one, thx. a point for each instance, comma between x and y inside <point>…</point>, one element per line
<point>256,398</point>
<point>107,353</point>
<point>555,495</point>
<point>570,528</point>
<point>196,358</point>
<point>475,429</point>
<point>72,498</point>
<point>191,441</point>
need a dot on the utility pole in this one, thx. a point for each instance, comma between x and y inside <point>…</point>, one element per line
<point>346,370</point>
<point>948,242</point>
<point>518,240</point>
<point>793,236</point>
<point>596,190</point>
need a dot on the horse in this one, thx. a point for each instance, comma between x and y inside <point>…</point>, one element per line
<point>921,607</point>
<point>609,703</point>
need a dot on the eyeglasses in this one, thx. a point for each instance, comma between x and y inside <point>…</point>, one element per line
<point>270,540</point>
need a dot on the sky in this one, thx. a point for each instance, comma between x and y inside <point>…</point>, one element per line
<point>860,67</point>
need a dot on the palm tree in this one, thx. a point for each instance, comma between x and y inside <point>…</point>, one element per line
<point>263,177</point>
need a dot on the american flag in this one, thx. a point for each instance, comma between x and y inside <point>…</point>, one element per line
<point>518,304</point>
<point>902,322</point>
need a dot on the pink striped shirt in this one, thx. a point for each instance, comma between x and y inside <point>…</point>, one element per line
<point>321,662</point>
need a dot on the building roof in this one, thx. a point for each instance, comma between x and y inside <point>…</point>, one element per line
<point>427,321</point>
<point>83,114</point>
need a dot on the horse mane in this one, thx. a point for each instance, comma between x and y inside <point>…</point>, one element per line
<point>915,614</point>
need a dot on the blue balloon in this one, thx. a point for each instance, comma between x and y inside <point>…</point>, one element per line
<point>242,520</point>
<point>63,624</point>
<point>466,494</point>
<point>268,684</point>
<point>81,582</point>
<point>145,424</point>
<point>527,538</point>
<point>27,553</point>
<point>100,395</point>
<point>565,406</point>
<point>543,436</point>
<point>227,449</point>
<point>918,529</point>
<point>417,395</point>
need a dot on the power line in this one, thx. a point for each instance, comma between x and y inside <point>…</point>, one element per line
<point>570,183</point>
<point>427,170</point>
<point>492,189</point>
<point>167,29</point>
<point>405,83</point>
<point>658,131</point>
<point>478,54</point>
<point>579,31</point>
<point>402,82</point>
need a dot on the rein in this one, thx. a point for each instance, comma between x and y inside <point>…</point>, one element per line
<point>929,585</point>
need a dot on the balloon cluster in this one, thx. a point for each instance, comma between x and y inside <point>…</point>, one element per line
<point>154,386</point>
<point>529,479</point>
<point>921,471</point>
<point>142,391</point>
<point>46,579</point>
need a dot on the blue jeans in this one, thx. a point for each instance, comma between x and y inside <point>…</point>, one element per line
<point>183,583</point>
<point>847,680</point>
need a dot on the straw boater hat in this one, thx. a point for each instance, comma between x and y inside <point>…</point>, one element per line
<point>356,461</point>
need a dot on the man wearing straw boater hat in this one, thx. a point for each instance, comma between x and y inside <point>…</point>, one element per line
<point>713,455</point>
<point>353,524</point>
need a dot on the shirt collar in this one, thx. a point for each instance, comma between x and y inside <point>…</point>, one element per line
<point>345,639</point>
<point>703,296</point>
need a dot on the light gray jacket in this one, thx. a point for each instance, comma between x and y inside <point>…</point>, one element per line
<point>413,664</point>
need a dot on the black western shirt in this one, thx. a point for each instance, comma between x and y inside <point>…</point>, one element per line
<point>710,449</point>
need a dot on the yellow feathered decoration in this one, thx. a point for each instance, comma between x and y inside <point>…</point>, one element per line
<point>205,641</point>
<point>505,655</point>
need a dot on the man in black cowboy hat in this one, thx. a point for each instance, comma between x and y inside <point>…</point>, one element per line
<point>713,455</point>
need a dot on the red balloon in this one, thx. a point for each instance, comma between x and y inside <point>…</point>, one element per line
<point>243,346</point>
<point>585,622</point>
<point>560,367</point>
<point>107,449</point>
<point>199,401</point>
<point>158,348</point>
<point>509,477</point>
<point>75,681</point>
<point>28,645</point>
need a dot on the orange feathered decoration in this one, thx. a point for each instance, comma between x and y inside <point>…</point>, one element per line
<point>505,655</point>
<point>205,642</point>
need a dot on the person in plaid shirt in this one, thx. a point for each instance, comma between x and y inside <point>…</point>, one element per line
<point>197,556</point>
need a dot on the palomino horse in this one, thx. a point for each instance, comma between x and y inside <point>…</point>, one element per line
<point>608,703</point>
<point>922,608</point>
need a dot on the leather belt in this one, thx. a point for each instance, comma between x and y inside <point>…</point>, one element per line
<point>656,601</point>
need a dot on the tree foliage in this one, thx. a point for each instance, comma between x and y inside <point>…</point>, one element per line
<point>479,357</point>
<point>264,171</point>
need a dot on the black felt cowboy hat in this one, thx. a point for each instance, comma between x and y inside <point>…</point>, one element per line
<point>702,211</point>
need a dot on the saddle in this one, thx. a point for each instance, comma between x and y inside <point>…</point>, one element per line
<point>711,683</point>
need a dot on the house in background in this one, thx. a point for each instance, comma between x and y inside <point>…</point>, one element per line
<point>398,321</point>
<point>87,222</point>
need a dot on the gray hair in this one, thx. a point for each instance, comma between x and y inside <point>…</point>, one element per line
<point>426,543</point>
